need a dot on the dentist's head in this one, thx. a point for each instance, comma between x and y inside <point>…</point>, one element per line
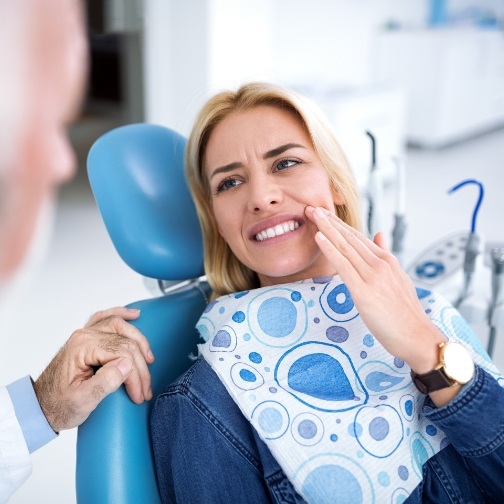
<point>43,62</point>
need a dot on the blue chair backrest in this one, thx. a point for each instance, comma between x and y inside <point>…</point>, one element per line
<point>137,178</point>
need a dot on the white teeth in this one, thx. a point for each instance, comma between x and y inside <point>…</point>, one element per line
<point>277,230</point>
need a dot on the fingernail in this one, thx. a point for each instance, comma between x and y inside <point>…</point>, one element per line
<point>320,236</point>
<point>150,355</point>
<point>134,310</point>
<point>320,212</point>
<point>309,209</point>
<point>125,366</point>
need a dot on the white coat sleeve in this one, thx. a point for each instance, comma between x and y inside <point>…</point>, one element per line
<point>15,463</point>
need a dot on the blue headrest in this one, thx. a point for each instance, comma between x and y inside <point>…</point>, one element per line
<point>137,177</point>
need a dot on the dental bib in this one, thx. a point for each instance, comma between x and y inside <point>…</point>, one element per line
<point>337,411</point>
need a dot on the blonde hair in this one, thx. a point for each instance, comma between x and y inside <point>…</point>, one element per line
<point>225,273</point>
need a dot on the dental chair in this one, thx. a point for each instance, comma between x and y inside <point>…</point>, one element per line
<point>136,175</point>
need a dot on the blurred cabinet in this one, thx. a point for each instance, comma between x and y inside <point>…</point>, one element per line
<point>453,78</point>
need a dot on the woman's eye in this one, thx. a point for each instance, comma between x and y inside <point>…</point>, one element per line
<point>286,163</point>
<point>227,184</point>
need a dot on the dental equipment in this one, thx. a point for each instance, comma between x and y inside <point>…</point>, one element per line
<point>399,229</point>
<point>472,248</point>
<point>497,258</point>
<point>374,193</point>
<point>442,259</point>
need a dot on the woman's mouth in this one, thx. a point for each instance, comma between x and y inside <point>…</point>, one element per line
<point>279,229</point>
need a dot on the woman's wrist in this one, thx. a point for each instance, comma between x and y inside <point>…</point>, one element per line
<point>422,354</point>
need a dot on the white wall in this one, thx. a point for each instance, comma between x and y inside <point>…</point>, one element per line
<point>330,43</point>
<point>196,47</point>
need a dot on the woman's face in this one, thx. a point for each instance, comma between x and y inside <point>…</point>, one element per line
<point>263,171</point>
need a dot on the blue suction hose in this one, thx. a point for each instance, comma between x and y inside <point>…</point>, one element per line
<point>473,240</point>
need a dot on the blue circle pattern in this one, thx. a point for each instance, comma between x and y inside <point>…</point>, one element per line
<point>431,430</point>
<point>307,429</point>
<point>255,357</point>
<point>331,483</point>
<point>408,407</point>
<point>383,479</point>
<point>337,334</point>
<point>238,316</point>
<point>274,319</point>
<point>296,296</point>
<point>275,326</point>
<point>403,472</point>
<point>337,305</point>
<point>248,375</point>
<point>368,340</point>
<point>270,420</point>
<point>377,428</point>
<point>382,430</point>
<point>222,339</point>
<point>399,363</point>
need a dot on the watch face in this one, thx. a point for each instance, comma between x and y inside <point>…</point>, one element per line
<point>458,364</point>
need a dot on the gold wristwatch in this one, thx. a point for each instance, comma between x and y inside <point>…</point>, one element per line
<point>455,367</point>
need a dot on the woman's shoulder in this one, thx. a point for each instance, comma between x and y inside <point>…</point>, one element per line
<point>199,378</point>
<point>199,397</point>
<point>200,388</point>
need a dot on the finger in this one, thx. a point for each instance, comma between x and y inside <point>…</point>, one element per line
<point>110,346</point>
<point>140,377</point>
<point>378,249</point>
<point>346,242</point>
<point>120,311</point>
<point>91,391</point>
<point>362,237</point>
<point>107,380</point>
<point>379,239</point>
<point>114,347</point>
<point>93,347</point>
<point>343,266</point>
<point>138,384</point>
<point>116,325</point>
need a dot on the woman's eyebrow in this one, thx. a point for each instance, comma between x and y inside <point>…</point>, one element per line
<point>280,150</point>
<point>269,154</point>
<point>226,168</point>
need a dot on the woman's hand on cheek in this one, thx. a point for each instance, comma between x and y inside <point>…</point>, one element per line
<point>381,290</point>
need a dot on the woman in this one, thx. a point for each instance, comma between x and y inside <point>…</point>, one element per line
<point>302,390</point>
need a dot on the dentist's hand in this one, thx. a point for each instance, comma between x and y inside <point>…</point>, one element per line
<point>94,362</point>
<point>381,289</point>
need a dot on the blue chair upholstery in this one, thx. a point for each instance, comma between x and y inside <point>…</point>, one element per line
<point>136,174</point>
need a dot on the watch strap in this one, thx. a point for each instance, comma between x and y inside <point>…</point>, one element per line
<point>431,381</point>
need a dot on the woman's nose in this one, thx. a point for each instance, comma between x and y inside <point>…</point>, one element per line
<point>263,193</point>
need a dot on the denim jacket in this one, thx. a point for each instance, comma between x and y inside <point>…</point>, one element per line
<point>206,451</point>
